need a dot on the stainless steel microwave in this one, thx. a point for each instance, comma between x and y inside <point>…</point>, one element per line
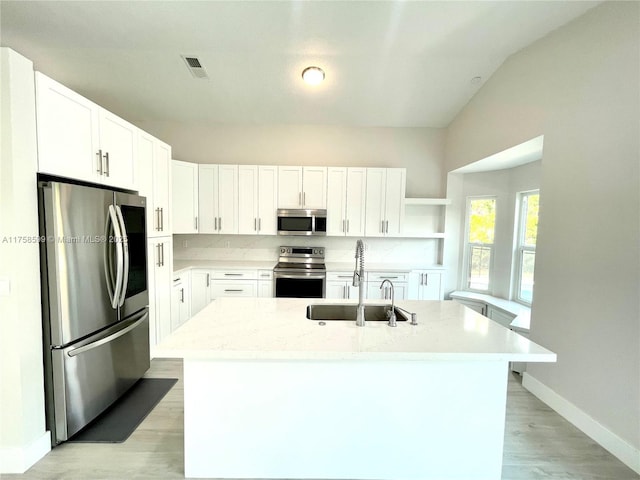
<point>302,221</point>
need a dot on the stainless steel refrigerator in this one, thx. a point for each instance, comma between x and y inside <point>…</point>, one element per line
<point>94,299</point>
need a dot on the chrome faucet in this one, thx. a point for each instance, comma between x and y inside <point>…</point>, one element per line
<point>392,313</point>
<point>358,280</point>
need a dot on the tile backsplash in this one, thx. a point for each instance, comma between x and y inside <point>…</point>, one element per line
<point>337,249</point>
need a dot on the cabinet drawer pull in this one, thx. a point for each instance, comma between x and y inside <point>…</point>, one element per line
<point>99,169</point>
<point>106,158</point>
<point>207,279</point>
<point>161,219</point>
<point>162,251</point>
<point>234,274</point>
<point>233,290</point>
<point>182,295</point>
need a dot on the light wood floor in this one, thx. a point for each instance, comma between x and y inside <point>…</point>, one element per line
<point>539,444</point>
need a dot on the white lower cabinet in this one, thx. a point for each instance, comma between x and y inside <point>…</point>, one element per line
<point>180,300</point>
<point>400,285</point>
<point>425,285</point>
<point>200,289</point>
<point>499,316</point>
<point>340,285</point>
<point>159,268</point>
<point>265,283</point>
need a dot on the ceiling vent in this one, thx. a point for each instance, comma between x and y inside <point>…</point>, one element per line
<point>195,67</point>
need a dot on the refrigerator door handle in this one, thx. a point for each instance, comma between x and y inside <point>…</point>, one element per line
<point>133,323</point>
<point>125,259</point>
<point>113,287</point>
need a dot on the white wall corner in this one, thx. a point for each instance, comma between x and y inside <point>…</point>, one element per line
<point>21,459</point>
<point>620,448</point>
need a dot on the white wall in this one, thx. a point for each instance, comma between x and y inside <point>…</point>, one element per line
<point>420,150</point>
<point>579,86</point>
<point>23,439</point>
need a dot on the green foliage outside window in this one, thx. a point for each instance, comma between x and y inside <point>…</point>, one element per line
<point>482,220</point>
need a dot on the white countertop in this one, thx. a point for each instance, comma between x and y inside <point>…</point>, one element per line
<point>277,329</point>
<point>522,313</point>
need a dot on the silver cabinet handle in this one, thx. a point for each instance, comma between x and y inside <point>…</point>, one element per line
<point>255,224</point>
<point>233,274</point>
<point>196,222</point>
<point>300,198</point>
<point>387,228</point>
<point>304,198</point>
<point>207,279</point>
<point>343,225</point>
<point>344,291</point>
<point>233,290</point>
<point>220,223</point>
<point>162,250</point>
<point>161,219</point>
<point>99,169</point>
<point>107,169</point>
<point>158,248</point>
<point>182,295</point>
<point>344,276</point>
<point>157,219</point>
<point>259,224</point>
<point>381,226</point>
<point>422,279</point>
<point>426,279</point>
<point>347,225</point>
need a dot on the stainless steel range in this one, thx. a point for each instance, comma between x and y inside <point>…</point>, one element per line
<point>300,272</point>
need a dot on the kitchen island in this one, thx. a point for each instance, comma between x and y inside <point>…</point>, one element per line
<point>272,394</point>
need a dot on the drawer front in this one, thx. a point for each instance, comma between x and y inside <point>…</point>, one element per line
<point>265,274</point>
<point>393,276</point>
<point>339,276</point>
<point>235,274</point>
<point>234,288</point>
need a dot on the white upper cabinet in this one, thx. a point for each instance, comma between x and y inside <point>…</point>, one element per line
<point>302,187</point>
<point>154,163</point>
<point>257,199</point>
<point>218,199</point>
<point>79,139</point>
<point>346,188</point>
<point>385,201</point>
<point>184,210</point>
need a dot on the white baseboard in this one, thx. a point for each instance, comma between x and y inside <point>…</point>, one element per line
<point>21,459</point>
<point>623,450</point>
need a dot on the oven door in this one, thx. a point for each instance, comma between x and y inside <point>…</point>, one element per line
<point>300,285</point>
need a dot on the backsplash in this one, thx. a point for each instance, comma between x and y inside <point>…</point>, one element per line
<point>337,249</point>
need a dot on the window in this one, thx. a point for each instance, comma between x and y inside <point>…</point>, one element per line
<point>481,217</point>
<point>526,244</point>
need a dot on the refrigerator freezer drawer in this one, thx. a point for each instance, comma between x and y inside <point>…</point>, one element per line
<point>90,375</point>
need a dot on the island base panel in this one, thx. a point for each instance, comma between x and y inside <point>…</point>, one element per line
<point>344,419</point>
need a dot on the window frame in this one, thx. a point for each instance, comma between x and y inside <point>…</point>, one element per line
<point>521,247</point>
<point>470,245</point>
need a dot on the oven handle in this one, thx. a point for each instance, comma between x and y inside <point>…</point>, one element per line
<point>300,276</point>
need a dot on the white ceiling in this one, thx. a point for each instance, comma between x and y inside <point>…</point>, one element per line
<point>387,63</point>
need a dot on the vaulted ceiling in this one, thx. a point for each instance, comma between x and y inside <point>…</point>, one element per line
<point>387,63</point>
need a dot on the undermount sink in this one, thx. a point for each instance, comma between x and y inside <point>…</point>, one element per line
<point>347,311</point>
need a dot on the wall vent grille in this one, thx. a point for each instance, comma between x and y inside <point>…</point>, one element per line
<point>195,67</point>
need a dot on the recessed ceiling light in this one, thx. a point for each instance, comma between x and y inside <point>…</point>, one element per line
<point>313,75</point>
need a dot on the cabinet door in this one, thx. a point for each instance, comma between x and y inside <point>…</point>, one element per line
<point>355,201</point>
<point>265,288</point>
<point>374,292</point>
<point>430,285</point>
<point>336,289</point>
<point>200,290</point>
<point>374,204</point>
<point>267,200</point>
<point>227,199</point>
<point>394,201</point>
<point>160,253</point>
<point>67,132</point>
<point>184,179</point>
<point>207,199</point>
<point>314,192</point>
<point>162,185</point>
<point>289,187</point>
<point>247,199</point>
<point>176,298</point>
<point>336,197</point>
<point>146,149</point>
<point>118,141</point>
